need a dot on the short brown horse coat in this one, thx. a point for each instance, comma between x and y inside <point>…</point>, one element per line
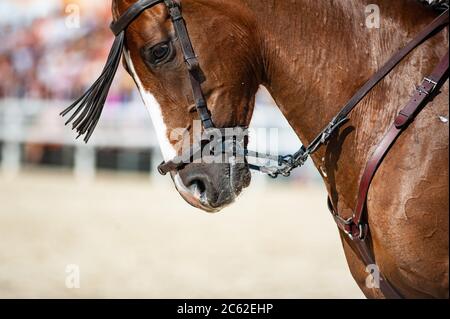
<point>312,56</point>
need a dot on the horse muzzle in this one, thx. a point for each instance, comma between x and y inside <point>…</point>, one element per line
<point>211,187</point>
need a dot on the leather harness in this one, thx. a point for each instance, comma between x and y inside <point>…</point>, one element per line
<point>88,108</point>
<point>357,227</point>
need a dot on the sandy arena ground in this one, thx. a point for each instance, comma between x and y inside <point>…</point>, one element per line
<point>134,238</point>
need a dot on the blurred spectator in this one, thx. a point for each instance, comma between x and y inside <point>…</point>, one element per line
<point>40,57</point>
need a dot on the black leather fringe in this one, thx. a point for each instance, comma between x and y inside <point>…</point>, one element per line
<point>89,107</point>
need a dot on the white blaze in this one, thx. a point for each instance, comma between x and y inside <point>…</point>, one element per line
<point>154,108</point>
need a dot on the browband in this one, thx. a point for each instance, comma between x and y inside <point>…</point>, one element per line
<point>131,14</point>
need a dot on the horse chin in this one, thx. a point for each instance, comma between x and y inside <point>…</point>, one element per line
<point>228,187</point>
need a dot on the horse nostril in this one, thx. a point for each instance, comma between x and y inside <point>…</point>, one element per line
<point>197,187</point>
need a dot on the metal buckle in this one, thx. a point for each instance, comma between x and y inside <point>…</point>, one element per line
<point>285,166</point>
<point>349,234</point>
<point>272,172</point>
<point>430,81</point>
<point>426,79</point>
<point>362,229</point>
<point>331,128</point>
<point>348,222</point>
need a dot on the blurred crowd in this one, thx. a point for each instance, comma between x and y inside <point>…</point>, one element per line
<point>45,55</point>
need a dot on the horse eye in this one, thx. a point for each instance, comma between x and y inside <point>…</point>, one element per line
<point>158,54</point>
<point>160,51</point>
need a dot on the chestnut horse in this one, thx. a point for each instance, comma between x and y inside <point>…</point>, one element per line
<point>312,56</point>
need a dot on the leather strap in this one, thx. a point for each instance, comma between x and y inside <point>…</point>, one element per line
<point>214,142</point>
<point>421,97</point>
<point>423,94</point>
<point>131,14</point>
<point>385,286</point>
<point>196,74</point>
<point>360,245</point>
<point>431,29</point>
<point>299,158</point>
<point>355,227</point>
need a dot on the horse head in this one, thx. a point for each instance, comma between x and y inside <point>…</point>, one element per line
<point>226,47</point>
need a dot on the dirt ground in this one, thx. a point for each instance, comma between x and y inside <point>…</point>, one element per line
<point>132,237</point>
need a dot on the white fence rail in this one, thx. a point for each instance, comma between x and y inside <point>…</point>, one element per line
<point>122,126</point>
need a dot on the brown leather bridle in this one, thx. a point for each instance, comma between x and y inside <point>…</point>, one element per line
<point>88,108</point>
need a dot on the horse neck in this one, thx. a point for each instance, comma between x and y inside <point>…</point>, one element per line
<point>317,54</point>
